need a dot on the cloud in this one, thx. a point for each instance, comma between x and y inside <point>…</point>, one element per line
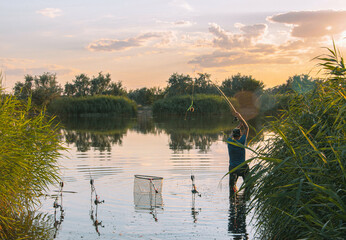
<point>313,24</point>
<point>50,12</point>
<point>230,58</point>
<point>226,40</point>
<point>246,47</point>
<point>180,23</point>
<point>183,4</point>
<point>118,45</point>
<point>59,70</point>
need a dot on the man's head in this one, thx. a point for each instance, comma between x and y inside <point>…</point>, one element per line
<point>236,133</point>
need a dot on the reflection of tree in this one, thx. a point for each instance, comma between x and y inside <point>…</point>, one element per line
<point>185,141</point>
<point>84,141</point>
<point>200,133</point>
<point>95,133</point>
<point>194,133</point>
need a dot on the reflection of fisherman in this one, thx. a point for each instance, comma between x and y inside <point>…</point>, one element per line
<point>237,154</point>
<point>237,218</point>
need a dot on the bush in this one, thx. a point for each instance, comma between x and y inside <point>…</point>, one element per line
<point>95,105</point>
<point>202,105</point>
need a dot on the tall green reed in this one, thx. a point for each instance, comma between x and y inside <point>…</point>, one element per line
<point>299,182</point>
<point>29,147</point>
<point>93,105</point>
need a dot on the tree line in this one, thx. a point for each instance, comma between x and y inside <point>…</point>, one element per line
<point>44,88</point>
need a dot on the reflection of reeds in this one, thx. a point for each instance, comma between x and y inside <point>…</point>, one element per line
<point>299,187</point>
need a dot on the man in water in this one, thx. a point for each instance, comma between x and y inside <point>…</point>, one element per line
<point>237,154</point>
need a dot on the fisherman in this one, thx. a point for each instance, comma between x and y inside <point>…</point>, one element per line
<point>237,153</point>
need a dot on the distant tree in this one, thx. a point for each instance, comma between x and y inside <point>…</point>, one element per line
<point>24,90</point>
<point>297,83</point>
<point>238,83</point>
<point>100,85</point>
<point>82,85</point>
<point>70,89</point>
<point>202,84</point>
<point>146,96</point>
<point>179,84</point>
<point>42,88</point>
<point>116,89</point>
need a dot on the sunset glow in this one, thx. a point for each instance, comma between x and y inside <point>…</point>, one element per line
<point>141,43</point>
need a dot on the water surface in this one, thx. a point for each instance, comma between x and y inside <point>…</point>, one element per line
<point>111,151</point>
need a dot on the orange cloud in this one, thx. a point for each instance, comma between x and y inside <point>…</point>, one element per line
<point>118,45</point>
<point>308,24</point>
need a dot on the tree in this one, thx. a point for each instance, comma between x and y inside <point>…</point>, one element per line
<point>238,83</point>
<point>82,84</point>
<point>100,85</point>
<point>298,83</point>
<point>203,84</point>
<point>24,90</point>
<point>146,96</point>
<point>116,89</point>
<point>179,84</point>
<point>70,89</point>
<point>42,88</point>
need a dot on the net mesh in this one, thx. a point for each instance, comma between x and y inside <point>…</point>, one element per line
<point>147,192</point>
<point>147,184</point>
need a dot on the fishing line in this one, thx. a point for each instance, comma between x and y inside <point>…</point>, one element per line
<point>225,97</point>
<point>191,108</point>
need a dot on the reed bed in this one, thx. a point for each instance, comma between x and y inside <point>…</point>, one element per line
<point>29,147</point>
<point>93,106</point>
<point>202,104</point>
<point>299,185</point>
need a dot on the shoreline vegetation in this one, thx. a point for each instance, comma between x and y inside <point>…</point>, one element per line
<point>93,106</point>
<point>98,95</point>
<point>29,147</point>
<point>299,185</point>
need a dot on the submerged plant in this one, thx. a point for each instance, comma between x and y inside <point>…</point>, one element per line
<point>299,185</point>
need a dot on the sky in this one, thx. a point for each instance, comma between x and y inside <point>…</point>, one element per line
<point>142,42</point>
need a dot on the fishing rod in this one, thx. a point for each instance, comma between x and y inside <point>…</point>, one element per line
<point>93,190</point>
<point>96,202</point>
<point>56,205</point>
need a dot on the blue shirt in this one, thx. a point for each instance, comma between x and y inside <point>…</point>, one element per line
<point>236,154</point>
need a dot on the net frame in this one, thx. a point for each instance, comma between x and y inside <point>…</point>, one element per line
<point>145,184</point>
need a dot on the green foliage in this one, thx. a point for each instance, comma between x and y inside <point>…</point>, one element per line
<point>299,185</point>
<point>83,86</point>
<point>203,104</point>
<point>297,84</point>
<point>238,83</point>
<point>146,96</point>
<point>41,89</point>
<point>29,147</point>
<point>82,106</point>
<point>179,84</point>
